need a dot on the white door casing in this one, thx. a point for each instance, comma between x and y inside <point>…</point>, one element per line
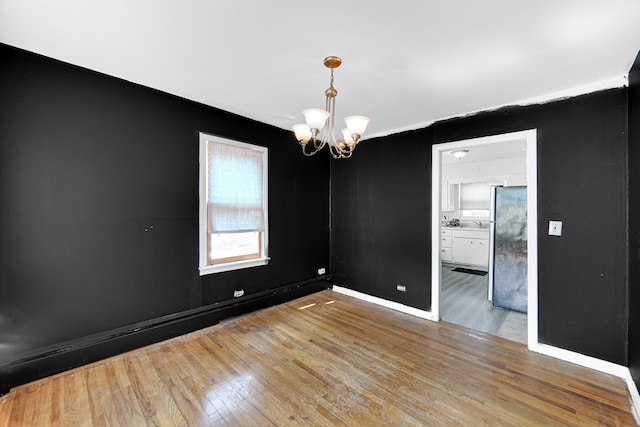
<point>530,139</point>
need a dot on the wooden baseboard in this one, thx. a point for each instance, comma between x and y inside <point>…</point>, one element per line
<point>40,363</point>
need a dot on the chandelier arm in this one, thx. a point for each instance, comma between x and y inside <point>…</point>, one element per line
<point>309,154</point>
<point>327,126</point>
<point>316,148</point>
<point>332,118</point>
<point>335,152</point>
<point>346,156</point>
<point>341,153</point>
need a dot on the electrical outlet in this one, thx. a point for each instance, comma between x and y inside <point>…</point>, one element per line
<point>401,288</point>
<point>238,293</point>
<point>321,271</point>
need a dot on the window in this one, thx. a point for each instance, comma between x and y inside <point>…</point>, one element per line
<point>233,205</point>
<point>475,199</point>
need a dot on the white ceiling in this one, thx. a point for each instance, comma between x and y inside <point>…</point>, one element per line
<point>406,63</point>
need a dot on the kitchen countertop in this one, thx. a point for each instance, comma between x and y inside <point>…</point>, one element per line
<point>466,228</point>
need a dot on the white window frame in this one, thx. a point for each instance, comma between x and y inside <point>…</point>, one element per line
<point>204,266</point>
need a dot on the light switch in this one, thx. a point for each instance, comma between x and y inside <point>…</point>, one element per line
<point>555,228</point>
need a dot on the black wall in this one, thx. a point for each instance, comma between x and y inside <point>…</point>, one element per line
<point>634,224</point>
<point>99,213</point>
<point>88,163</point>
<point>384,203</point>
<point>380,215</point>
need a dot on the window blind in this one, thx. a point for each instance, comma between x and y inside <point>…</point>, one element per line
<point>235,189</point>
<point>475,195</point>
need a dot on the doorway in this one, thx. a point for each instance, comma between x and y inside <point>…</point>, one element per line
<point>529,139</point>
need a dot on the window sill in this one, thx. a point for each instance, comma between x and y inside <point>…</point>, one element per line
<point>229,266</point>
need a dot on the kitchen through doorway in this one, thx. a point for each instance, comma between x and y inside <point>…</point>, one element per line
<point>464,302</point>
<point>464,234</point>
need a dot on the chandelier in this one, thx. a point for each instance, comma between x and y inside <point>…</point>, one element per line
<point>318,120</point>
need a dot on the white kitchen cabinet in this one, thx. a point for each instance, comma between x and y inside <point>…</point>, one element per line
<point>471,251</point>
<point>449,196</point>
<point>445,246</point>
<point>470,247</point>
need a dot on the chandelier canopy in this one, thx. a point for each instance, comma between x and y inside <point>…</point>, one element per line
<point>318,120</point>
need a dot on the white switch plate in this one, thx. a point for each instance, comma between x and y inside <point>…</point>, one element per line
<point>555,228</point>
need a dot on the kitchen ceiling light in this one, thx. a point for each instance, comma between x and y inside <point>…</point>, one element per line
<point>458,154</point>
<point>318,119</point>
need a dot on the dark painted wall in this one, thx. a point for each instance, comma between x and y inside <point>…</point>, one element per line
<point>381,213</point>
<point>88,164</point>
<point>634,224</point>
<point>582,181</point>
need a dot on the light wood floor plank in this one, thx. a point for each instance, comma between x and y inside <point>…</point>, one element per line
<point>326,359</point>
<point>6,408</point>
<point>152,395</point>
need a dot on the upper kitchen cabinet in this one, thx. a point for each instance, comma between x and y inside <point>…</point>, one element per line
<point>466,181</point>
<point>449,196</point>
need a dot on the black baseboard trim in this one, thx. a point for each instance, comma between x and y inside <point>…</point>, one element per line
<point>48,361</point>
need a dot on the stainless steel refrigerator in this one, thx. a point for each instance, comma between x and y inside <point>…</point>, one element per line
<point>508,248</point>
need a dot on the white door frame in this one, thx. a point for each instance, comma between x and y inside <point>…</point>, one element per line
<point>530,137</point>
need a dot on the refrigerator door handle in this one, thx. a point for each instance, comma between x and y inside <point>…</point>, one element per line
<point>492,233</point>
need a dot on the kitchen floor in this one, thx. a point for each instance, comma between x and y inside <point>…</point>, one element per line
<point>464,302</point>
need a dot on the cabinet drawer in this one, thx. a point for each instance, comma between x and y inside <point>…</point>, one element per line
<point>445,242</point>
<point>445,254</point>
<point>446,232</point>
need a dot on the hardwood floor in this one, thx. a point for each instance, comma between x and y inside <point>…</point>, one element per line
<point>325,359</point>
